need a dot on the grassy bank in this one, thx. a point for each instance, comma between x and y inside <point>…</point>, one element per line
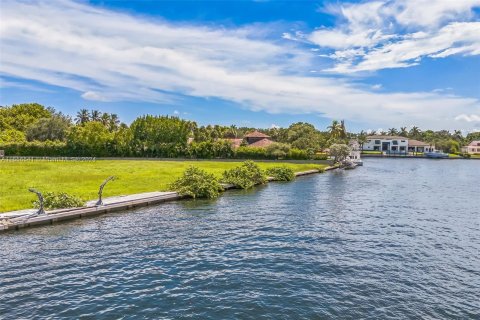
<point>83,178</point>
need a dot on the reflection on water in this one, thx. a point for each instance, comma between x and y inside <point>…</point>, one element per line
<point>394,239</point>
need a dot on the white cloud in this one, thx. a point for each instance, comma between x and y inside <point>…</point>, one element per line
<point>468,118</point>
<point>94,96</point>
<point>176,112</point>
<point>399,33</point>
<point>118,57</point>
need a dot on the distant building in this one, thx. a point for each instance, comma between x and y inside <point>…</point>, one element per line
<point>253,139</point>
<point>386,144</point>
<point>419,146</point>
<point>355,153</point>
<point>396,144</point>
<point>472,148</point>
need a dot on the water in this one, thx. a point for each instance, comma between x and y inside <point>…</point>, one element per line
<point>396,239</point>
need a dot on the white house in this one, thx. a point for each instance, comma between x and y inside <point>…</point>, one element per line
<point>396,144</point>
<point>386,143</point>
<point>472,148</point>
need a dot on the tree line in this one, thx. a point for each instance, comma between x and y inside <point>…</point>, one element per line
<point>34,130</point>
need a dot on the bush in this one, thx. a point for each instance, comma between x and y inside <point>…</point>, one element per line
<point>281,173</point>
<point>244,152</point>
<point>197,183</point>
<point>59,200</point>
<point>297,154</point>
<point>320,156</point>
<point>245,176</point>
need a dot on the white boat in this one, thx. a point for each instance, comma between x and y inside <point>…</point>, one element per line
<point>358,162</point>
<point>436,155</point>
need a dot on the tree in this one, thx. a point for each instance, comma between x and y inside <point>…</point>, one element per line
<point>362,139</point>
<point>114,122</point>
<point>11,136</point>
<point>53,128</point>
<point>105,119</point>
<point>392,132</point>
<point>339,152</point>
<point>21,116</point>
<point>335,129</point>
<point>414,132</point>
<point>90,139</point>
<point>304,136</point>
<point>403,131</point>
<point>278,150</point>
<point>95,115</point>
<point>83,116</point>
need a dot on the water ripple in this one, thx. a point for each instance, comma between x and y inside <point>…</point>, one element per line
<point>392,240</point>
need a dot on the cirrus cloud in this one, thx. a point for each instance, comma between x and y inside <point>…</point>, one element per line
<point>111,56</point>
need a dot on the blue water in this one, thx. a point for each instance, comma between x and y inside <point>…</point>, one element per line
<point>396,239</point>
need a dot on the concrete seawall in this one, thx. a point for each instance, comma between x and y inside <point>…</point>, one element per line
<point>26,218</point>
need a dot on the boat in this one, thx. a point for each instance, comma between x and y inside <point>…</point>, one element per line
<point>358,162</point>
<point>436,155</point>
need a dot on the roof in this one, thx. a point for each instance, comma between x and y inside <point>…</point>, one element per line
<point>475,143</point>
<point>256,134</point>
<point>235,142</point>
<point>261,143</point>
<point>416,143</point>
<point>387,137</point>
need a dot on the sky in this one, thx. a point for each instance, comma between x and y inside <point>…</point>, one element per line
<point>375,64</point>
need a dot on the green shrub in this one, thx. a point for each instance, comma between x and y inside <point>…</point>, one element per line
<point>245,152</point>
<point>320,156</point>
<point>297,154</point>
<point>282,173</point>
<point>197,183</point>
<point>59,200</point>
<point>245,176</point>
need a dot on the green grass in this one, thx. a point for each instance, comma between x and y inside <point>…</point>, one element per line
<point>371,152</point>
<point>83,178</point>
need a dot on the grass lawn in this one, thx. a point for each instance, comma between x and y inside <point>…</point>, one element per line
<point>83,178</point>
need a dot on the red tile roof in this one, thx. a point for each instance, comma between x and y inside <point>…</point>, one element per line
<point>261,143</point>
<point>235,142</point>
<point>416,143</point>
<point>256,134</point>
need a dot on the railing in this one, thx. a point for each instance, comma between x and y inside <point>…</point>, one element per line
<point>53,159</point>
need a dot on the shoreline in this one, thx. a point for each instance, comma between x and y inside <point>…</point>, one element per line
<point>117,203</point>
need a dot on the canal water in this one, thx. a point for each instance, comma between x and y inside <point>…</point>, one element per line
<point>395,239</point>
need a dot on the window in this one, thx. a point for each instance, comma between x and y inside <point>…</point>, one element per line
<point>377,141</point>
<point>395,142</point>
<point>376,148</point>
<point>402,140</point>
<point>402,148</point>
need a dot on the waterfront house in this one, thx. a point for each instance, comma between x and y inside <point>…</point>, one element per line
<point>396,144</point>
<point>416,146</point>
<point>472,148</point>
<point>389,144</point>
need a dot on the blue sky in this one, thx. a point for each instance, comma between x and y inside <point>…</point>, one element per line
<point>376,64</point>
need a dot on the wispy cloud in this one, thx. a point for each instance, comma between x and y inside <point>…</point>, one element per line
<point>111,56</point>
<point>398,33</point>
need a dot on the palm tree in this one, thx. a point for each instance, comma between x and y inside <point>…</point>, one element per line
<point>403,131</point>
<point>95,115</point>
<point>335,129</point>
<point>415,132</point>
<point>362,139</point>
<point>114,122</point>
<point>343,130</point>
<point>82,116</point>
<point>105,119</point>
<point>233,130</point>
<point>392,132</point>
